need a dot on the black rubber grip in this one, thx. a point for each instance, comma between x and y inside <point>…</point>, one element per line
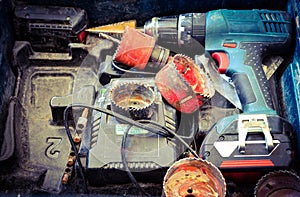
<point>253,58</point>
<point>243,88</point>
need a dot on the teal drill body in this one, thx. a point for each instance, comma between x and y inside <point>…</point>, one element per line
<point>257,138</point>
<point>246,37</point>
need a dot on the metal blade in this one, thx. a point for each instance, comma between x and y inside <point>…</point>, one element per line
<point>220,84</point>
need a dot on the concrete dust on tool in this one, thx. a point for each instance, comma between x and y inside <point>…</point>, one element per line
<point>191,177</point>
<point>183,84</point>
<point>139,50</point>
<point>132,100</point>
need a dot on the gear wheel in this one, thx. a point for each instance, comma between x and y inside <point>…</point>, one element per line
<point>191,177</point>
<point>278,183</point>
<point>133,100</point>
<point>184,84</point>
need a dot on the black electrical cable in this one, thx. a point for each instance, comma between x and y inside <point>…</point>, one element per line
<point>109,112</point>
<point>168,130</point>
<point>123,153</point>
<point>125,164</point>
<point>124,118</point>
<point>161,132</point>
<point>131,71</point>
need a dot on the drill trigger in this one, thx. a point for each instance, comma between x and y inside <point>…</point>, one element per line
<point>223,61</point>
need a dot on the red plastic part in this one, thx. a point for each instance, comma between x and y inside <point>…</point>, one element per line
<point>81,36</point>
<point>190,73</point>
<point>181,83</point>
<point>175,91</point>
<point>135,48</point>
<point>246,163</point>
<point>222,60</point>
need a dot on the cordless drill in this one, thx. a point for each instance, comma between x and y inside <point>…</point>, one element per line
<point>257,139</point>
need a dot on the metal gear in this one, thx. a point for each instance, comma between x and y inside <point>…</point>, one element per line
<point>191,177</point>
<point>281,183</point>
<point>133,100</point>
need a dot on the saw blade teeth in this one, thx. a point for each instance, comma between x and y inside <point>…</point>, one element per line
<point>277,183</point>
<point>207,89</point>
<point>134,100</point>
<point>119,46</point>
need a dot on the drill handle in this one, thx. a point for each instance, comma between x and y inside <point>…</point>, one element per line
<point>253,58</point>
<point>244,67</point>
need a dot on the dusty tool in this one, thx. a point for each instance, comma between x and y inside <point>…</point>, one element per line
<point>254,139</point>
<point>227,90</point>
<point>139,50</point>
<point>240,43</point>
<point>50,28</point>
<point>148,155</point>
<point>278,183</point>
<point>179,29</point>
<point>183,84</point>
<point>133,100</point>
<point>191,177</point>
<point>240,40</point>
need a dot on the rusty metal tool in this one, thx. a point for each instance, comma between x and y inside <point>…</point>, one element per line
<point>139,50</point>
<point>278,183</point>
<point>184,84</point>
<point>191,177</point>
<point>220,84</point>
<point>181,82</point>
<point>133,100</point>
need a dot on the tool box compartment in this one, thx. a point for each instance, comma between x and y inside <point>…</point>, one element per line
<point>48,61</point>
<point>290,79</point>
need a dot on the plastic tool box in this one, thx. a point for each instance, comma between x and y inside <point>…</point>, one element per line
<point>40,58</point>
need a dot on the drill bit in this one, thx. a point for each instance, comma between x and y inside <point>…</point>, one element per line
<point>108,37</point>
<point>115,28</point>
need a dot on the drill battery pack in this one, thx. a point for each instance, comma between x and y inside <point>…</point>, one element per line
<point>49,28</point>
<point>250,143</point>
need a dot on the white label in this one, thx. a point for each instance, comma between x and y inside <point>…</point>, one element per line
<point>121,128</point>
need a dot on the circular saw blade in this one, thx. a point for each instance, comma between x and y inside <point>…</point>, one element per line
<point>194,75</point>
<point>133,100</point>
<point>191,177</point>
<point>183,84</point>
<point>281,183</point>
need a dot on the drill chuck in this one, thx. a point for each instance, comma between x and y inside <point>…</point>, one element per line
<point>177,29</point>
